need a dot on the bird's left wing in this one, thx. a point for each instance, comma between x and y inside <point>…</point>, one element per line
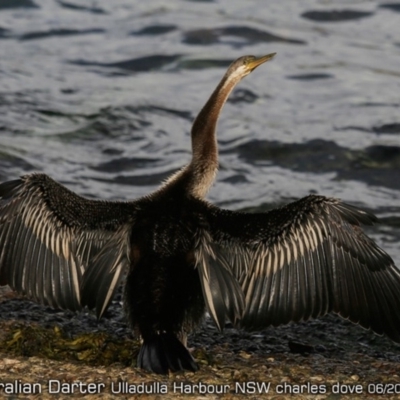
<point>49,237</point>
<point>298,262</point>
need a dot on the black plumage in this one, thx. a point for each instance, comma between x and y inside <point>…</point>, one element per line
<point>180,255</point>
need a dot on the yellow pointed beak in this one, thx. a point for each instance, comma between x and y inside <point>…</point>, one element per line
<point>261,60</point>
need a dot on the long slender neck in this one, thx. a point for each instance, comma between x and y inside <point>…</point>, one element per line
<point>204,164</point>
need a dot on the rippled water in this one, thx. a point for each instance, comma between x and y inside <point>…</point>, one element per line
<point>101,96</point>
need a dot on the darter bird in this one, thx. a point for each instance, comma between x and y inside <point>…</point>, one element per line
<point>181,256</point>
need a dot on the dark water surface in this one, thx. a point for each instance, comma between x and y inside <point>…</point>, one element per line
<point>101,95</point>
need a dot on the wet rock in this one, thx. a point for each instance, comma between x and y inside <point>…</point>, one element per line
<point>300,348</point>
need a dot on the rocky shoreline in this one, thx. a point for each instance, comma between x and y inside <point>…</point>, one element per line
<point>48,349</point>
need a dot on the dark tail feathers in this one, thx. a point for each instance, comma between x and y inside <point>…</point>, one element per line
<point>163,352</point>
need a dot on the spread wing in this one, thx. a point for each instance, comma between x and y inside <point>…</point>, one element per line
<point>49,236</point>
<point>298,262</point>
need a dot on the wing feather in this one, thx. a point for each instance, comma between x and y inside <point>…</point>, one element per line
<point>49,236</point>
<point>305,260</point>
<point>221,290</point>
<point>105,271</point>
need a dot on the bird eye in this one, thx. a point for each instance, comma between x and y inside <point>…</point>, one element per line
<point>249,59</point>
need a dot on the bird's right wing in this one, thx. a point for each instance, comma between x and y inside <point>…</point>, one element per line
<point>49,236</point>
<point>298,262</point>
